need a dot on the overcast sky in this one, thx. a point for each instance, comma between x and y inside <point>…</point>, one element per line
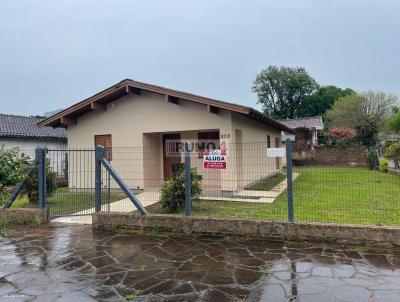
<point>55,53</point>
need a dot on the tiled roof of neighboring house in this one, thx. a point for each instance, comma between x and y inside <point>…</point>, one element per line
<point>25,126</point>
<point>306,122</point>
<point>128,86</point>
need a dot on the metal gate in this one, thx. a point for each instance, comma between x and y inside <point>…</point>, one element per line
<point>70,183</point>
<point>80,182</point>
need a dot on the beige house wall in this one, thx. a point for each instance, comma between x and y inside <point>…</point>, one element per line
<point>250,154</point>
<point>137,123</point>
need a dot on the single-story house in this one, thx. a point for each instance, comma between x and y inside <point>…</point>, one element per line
<point>23,132</point>
<point>313,124</point>
<point>136,121</point>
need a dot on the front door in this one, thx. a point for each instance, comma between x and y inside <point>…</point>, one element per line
<point>171,156</point>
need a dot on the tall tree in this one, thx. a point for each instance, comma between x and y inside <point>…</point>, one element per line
<point>321,100</point>
<point>394,122</point>
<point>366,112</point>
<point>281,90</point>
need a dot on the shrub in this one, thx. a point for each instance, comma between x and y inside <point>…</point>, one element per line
<point>343,134</point>
<point>372,159</point>
<point>383,165</point>
<point>13,168</point>
<point>393,152</point>
<point>32,184</point>
<point>173,191</point>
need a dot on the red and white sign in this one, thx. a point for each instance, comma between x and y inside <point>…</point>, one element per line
<point>214,159</point>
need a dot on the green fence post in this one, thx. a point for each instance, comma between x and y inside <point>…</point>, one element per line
<point>188,182</point>
<point>40,154</point>
<point>99,155</point>
<point>289,179</point>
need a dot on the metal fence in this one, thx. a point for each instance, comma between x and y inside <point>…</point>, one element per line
<point>330,187</point>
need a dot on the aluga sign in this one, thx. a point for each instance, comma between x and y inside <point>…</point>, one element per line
<point>214,159</point>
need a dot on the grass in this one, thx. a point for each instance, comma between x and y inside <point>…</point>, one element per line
<point>267,183</point>
<point>321,194</point>
<point>66,201</point>
<point>3,225</point>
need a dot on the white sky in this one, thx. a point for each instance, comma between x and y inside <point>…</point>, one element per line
<point>55,53</point>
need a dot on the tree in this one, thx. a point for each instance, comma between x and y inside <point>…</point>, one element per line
<point>13,168</point>
<point>281,90</point>
<point>394,122</point>
<point>366,112</point>
<point>321,100</point>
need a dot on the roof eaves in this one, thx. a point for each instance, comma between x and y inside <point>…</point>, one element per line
<point>175,93</point>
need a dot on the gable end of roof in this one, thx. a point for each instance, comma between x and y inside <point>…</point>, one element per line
<point>127,86</point>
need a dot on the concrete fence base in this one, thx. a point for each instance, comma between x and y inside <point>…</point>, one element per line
<point>358,234</point>
<point>24,216</point>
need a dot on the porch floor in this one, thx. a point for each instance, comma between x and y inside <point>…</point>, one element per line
<point>255,195</point>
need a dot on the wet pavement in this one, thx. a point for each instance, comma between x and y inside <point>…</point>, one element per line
<point>73,263</point>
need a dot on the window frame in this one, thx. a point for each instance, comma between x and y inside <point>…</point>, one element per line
<point>211,135</point>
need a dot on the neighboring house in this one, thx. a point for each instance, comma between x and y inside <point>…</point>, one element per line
<point>23,132</point>
<point>313,124</point>
<point>143,118</point>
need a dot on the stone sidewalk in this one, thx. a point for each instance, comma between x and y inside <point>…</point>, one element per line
<point>74,263</point>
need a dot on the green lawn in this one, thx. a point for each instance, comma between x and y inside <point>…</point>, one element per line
<point>322,194</point>
<point>67,201</point>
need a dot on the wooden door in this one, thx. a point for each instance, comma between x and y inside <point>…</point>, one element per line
<point>171,157</point>
<point>105,141</point>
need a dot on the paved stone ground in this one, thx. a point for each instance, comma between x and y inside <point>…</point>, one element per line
<point>73,263</point>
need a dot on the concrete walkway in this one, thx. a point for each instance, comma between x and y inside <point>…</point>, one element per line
<point>123,205</point>
<point>255,195</point>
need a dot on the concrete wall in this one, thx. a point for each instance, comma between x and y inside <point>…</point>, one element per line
<point>355,234</point>
<point>24,216</point>
<point>28,146</point>
<point>337,156</point>
<point>252,149</point>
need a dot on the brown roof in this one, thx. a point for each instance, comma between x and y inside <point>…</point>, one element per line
<point>128,86</point>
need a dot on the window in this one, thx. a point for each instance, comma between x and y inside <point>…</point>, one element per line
<point>105,141</point>
<point>268,141</point>
<point>207,141</point>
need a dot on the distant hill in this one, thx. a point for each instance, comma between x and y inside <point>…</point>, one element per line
<point>50,113</point>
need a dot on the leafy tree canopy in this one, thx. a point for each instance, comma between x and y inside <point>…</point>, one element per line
<point>281,90</point>
<point>366,112</point>
<point>394,122</point>
<point>321,100</point>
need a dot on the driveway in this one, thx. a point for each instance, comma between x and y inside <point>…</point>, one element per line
<point>74,263</point>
